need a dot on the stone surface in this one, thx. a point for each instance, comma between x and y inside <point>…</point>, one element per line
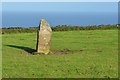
<point>43,37</point>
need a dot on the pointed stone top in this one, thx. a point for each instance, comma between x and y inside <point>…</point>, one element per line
<point>44,25</point>
<point>44,22</point>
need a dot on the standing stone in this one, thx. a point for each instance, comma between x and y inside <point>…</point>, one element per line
<point>43,37</point>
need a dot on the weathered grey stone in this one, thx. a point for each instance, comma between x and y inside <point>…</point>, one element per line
<point>44,37</point>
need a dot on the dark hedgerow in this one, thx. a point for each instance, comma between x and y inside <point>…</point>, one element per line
<point>57,28</point>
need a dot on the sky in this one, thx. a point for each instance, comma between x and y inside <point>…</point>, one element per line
<point>28,12</point>
<point>59,0</point>
<point>60,7</point>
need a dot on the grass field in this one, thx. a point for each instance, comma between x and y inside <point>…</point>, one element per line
<point>90,54</point>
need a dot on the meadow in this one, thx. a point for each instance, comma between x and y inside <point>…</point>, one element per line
<point>77,54</point>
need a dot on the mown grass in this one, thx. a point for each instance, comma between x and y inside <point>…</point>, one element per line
<point>91,54</point>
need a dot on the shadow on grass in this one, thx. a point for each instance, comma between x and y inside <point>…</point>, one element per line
<point>27,49</point>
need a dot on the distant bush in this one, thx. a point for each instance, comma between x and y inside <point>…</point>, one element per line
<point>18,30</point>
<point>70,28</point>
<point>57,28</point>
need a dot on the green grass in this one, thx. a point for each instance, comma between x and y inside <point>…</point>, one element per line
<point>92,54</point>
